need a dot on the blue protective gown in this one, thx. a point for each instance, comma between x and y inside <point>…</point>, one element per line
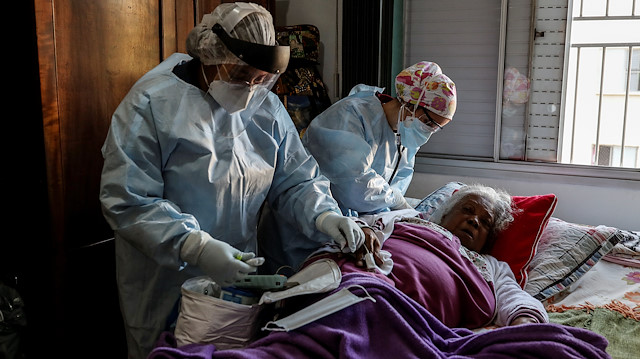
<point>359,153</point>
<point>175,162</point>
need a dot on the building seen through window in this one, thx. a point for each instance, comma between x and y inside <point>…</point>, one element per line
<point>602,91</point>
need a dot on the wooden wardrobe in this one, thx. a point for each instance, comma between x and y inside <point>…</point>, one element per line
<point>82,56</point>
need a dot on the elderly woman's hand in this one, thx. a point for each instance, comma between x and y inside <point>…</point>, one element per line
<point>372,244</point>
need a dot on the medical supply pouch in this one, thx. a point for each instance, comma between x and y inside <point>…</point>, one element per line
<point>230,318</point>
<point>206,318</point>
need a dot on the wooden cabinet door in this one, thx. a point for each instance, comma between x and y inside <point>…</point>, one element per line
<point>90,53</point>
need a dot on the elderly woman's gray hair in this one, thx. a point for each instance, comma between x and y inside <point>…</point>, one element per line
<point>502,210</point>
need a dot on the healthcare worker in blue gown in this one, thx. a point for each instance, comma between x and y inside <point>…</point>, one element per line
<point>366,143</point>
<point>193,151</point>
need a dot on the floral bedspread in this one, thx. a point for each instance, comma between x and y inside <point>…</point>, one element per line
<point>607,285</point>
<point>606,300</point>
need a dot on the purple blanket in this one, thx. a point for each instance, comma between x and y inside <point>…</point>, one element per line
<point>396,326</point>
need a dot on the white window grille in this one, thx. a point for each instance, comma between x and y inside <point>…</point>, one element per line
<point>533,46</point>
<point>602,101</point>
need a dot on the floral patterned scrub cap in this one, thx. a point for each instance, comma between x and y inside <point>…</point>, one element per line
<point>425,85</point>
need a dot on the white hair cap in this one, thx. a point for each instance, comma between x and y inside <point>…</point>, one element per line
<point>244,21</point>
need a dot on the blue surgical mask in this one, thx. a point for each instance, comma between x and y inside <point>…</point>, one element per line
<point>413,132</point>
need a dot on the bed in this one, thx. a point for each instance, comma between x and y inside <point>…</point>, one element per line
<point>588,278</point>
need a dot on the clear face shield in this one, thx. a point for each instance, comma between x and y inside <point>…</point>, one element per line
<point>251,77</point>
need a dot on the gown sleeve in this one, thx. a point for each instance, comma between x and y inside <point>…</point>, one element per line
<point>342,141</point>
<point>299,191</point>
<point>131,189</point>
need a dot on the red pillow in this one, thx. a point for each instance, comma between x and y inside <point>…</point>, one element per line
<point>517,244</point>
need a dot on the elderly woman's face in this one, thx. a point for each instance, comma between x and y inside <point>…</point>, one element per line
<point>471,221</point>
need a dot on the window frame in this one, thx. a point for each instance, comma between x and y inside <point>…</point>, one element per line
<point>606,48</point>
<point>525,170</point>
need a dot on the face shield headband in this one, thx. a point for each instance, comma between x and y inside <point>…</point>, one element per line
<point>272,59</point>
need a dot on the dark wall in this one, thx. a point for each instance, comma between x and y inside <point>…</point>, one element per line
<point>26,251</point>
<point>89,324</point>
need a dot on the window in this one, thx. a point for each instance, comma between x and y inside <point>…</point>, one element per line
<point>556,100</point>
<point>602,102</point>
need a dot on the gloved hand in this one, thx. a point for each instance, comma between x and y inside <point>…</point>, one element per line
<point>400,201</point>
<point>219,260</point>
<point>342,229</point>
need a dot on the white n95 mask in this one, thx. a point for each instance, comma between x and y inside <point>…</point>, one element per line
<point>329,305</point>
<point>232,97</point>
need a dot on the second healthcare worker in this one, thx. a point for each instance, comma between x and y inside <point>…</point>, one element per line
<point>366,143</point>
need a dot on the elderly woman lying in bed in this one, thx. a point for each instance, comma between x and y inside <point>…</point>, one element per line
<point>443,263</point>
<point>440,284</point>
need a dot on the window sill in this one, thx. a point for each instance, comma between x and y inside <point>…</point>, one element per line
<point>530,171</point>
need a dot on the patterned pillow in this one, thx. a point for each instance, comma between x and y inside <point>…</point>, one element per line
<point>565,253</point>
<point>431,202</point>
